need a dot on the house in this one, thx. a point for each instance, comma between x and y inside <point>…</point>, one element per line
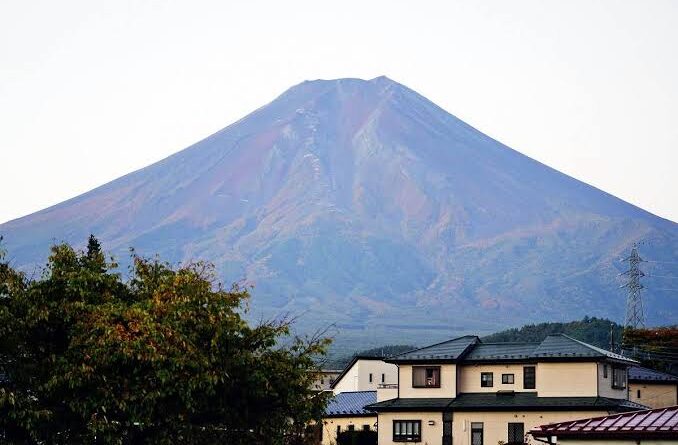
<point>346,411</point>
<point>653,426</point>
<point>474,393</point>
<point>652,388</point>
<point>325,379</point>
<point>365,373</point>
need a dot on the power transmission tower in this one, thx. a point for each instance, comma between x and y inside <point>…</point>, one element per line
<point>635,317</point>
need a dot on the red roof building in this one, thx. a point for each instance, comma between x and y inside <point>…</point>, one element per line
<point>647,425</point>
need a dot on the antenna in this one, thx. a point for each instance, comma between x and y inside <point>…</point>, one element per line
<point>635,317</point>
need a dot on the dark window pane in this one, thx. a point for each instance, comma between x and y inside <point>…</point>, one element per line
<point>516,433</point>
<point>529,378</point>
<point>486,379</point>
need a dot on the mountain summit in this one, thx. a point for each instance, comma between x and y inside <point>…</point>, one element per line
<point>364,204</point>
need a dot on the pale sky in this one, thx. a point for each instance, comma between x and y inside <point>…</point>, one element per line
<point>91,90</point>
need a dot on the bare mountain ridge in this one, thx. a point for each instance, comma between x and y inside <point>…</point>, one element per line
<point>363,203</point>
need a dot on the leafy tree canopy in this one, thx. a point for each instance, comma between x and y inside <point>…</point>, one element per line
<point>164,357</point>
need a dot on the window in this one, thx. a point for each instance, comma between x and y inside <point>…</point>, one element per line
<point>338,430</point>
<point>639,394</point>
<point>383,378</point>
<point>507,379</point>
<point>407,430</point>
<point>529,377</point>
<point>516,433</point>
<point>619,378</point>
<point>486,379</point>
<point>351,427</point>
<point>604,371</point>
<point>370,377</point>
<point>426,376</point>
<point>322,381</point>
<point>366,427</point>
<point>476,433</point>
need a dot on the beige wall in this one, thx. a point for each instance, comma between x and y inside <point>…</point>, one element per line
<point>605,388</point>
<point>495,425</point>
<point>430,434</point>
<point>448,383</point>
<point>470,377</point>
<point>654,395</point>
<point>567,379</point>
<point>358,377</point>
<point>616,442</point>
<point>330,426</point>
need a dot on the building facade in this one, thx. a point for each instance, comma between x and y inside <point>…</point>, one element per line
<point>365,373</point>
<point>467,392</point>
<point>652,388</point>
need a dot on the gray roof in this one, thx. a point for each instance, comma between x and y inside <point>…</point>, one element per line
<point>350,404</point>
<point>490,401</point>
<point>529,400</point>
<point>450,351</point>
<point>420,404</point>
<point>501,351</point>
<point>640,374</point>
<point>558,347</point>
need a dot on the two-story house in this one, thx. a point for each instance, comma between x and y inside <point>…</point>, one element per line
<point>652,388</point>
<point>474,393</point>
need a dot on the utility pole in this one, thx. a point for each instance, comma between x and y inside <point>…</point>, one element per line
<point>635,317</point>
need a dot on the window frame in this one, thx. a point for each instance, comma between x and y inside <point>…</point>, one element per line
<point>508,435</point>
<point>534,377</point>
<point>619,371</point>
<point>483,382</point>
<point>504,379</point>
<point>425,368</point>
<point>407,437</point>
<point>478,426</point>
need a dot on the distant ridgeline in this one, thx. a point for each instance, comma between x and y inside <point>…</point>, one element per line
<point>592,330</point>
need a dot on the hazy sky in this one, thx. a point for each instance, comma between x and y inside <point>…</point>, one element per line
<point>91,90</point>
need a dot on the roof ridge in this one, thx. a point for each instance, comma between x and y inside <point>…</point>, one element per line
<point>435,344</point>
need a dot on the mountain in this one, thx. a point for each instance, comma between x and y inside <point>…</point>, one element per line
<point>362,203</point>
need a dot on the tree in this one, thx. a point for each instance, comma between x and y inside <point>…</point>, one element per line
<point>164,357</point>
<point>655,348</point>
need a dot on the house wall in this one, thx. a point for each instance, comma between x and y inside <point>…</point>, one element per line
<point>448,383</point>
<point>470,378</point>
<point>495,424</point>
<point>330,426</point>
<point>358,377</point>
<point>605,388</point>
<point>349,382</point>
<point>430,434</point>
<point>567,379</point>
<point>654,395</point>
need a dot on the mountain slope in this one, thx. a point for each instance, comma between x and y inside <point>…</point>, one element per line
<point>362,203</point>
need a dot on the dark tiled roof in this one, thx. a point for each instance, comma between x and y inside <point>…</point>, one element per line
<point>558,347</point>
<point>448,351</point>
<point>488,401</point>
<point>419,404</point>
<point>640,374</point>
<point>648,424</point>
<point>492,401</point>
<point>501,351</point>
<point>561,346</point>
<point>350,403</point>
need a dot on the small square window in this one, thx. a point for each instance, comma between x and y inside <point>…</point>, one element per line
<point>507,379</point>
<point>366,427</point>
<point>486,379</point>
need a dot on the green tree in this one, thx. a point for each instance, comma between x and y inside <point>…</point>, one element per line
<point>164,357</point>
